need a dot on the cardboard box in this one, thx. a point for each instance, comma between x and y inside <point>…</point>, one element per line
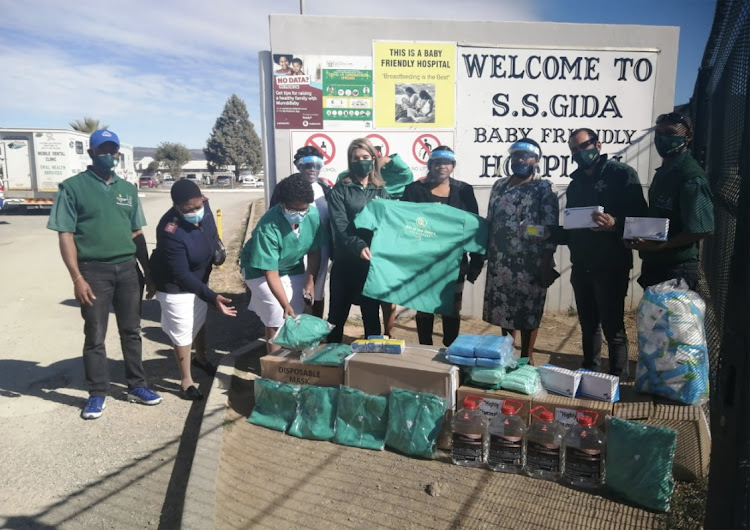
<point>651,228</point>
<point>565,408</point>
<point>285,367</point>
<point>559,380</point>
<point>633,405</point>
<point>596,385</point>
<point>693,439</point>
<point>492,400</point>
<point>417,369</point>
<point>580,217</point>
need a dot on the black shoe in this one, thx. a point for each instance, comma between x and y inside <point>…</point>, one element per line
<point>191,393</point>
<point>206,366</point>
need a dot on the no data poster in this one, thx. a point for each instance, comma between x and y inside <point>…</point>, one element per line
<point>414,84</point>
<point>297,94</point>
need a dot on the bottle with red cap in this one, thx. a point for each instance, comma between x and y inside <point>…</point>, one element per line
<point>584,452</point>
<point>506,432</point>
<point>469,434</point>
<point>542,445</point>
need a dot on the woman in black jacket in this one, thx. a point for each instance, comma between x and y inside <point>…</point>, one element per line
<point>186,241</point>
<point>438,186</point>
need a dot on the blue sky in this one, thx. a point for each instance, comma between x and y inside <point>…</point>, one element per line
<point>162,71</point>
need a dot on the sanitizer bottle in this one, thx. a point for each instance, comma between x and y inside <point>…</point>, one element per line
<point>469,434</point>
<point>506,432</point>
<point>584,452</point>
<point>542,445</point>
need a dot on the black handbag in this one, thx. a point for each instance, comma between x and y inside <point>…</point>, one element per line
<point>220,254</point>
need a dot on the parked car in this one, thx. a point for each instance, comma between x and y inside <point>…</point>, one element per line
<point>147,182</point>
<point>194,177</point>
<point>223,181</point>
<point>168,182</point>
<point>252,182</point>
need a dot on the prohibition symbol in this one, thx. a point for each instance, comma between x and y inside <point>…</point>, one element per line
<point>380,144</point>
<point>423,146</point>
<point>325,145</point>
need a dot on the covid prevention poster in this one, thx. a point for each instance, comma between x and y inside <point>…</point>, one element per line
<point>505,94</point>
<point>347,93</point>
<point>414,84</point>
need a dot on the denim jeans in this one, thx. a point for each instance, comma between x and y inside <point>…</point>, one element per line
<point>118,286</point>
<point>600,300</point>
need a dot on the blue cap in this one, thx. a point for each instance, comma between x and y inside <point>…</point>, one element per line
<point>102,136</point>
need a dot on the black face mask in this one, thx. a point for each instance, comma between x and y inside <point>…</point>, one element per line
<point>522,169</point>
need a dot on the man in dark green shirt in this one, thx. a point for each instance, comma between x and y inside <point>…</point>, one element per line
<point>601,263</point>
<point>681,193</point>
<point>98,218</point>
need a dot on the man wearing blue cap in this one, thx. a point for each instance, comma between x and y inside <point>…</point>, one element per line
<point>99,218</point>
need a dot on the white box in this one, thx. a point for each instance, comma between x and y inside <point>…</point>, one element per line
<point>559,380</point>
<point>595,385</point>
<point>580,217</point>
<point>652,228</point>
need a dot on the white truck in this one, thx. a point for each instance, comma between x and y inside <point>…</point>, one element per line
<point>35,161</point>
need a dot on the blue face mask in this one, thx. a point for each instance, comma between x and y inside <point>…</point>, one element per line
<point>195,217</point>
<point>294,218</point>
<point>522,169</point>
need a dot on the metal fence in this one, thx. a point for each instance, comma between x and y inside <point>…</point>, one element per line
<point>721,107</point>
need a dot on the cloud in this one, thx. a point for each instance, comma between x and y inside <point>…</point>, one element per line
<point>158,68</point>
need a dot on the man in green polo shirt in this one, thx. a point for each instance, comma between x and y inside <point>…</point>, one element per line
<point>99,218</point>
<point>681,193</point>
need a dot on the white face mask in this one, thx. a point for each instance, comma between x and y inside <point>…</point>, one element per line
<point>195,217</point>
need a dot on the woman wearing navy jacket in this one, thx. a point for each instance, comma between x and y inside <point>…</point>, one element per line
<point>186,241</point>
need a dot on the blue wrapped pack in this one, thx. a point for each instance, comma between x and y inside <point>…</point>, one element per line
<point>464,345</point>
<point>496,347</point>
<point>672,351</point>
<point>462,361</point>
<point>485,362</point>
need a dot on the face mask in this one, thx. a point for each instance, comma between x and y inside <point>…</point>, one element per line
<point>586,158</point>
<point>522,169</point>
<point>106,162</point>
<point>361,168</point>
<point>294,218</point>
<point>669,145</point>
<point>195,217</point>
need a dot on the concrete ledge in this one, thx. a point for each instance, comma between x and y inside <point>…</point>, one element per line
<point>200,496</point>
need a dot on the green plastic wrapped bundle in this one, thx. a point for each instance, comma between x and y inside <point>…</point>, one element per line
<point>524,379</point>
<point>329,355</point>
<point>414,422</point>
<point>639,462</point>
<point>487,377</point>
<point>316,413</point>
<point>301,332</point>
<point>275,405</point>
<point>361,419</point>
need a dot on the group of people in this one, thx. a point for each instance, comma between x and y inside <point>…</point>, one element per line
<point>311,221</point>
<point>523,221</point>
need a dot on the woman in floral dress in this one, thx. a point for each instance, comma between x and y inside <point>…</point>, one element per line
<point>520,264</point>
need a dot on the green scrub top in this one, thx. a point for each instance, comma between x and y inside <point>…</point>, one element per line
<point>417,250</point>
<point>274,245</point>
<point>680,192</point>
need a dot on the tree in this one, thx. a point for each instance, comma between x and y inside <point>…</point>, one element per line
<point>172,155</point>
<point>152,168</point>
<point>233,140</point>
<point>87,125</point>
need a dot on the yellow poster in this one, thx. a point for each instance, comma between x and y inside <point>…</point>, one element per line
<point>414,84</point>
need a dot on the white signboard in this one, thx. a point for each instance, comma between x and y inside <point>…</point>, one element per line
<point>414,147</point>
<point>504,94</point>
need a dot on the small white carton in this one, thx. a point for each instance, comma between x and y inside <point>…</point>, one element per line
<point>559,380</point>
<point>651,228</point>
<point>580,217</point>
<point>595,385</point>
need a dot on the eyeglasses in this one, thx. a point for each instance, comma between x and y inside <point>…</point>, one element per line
<point>309,165</point>
<point>674,117</point>
<point>293,211</point>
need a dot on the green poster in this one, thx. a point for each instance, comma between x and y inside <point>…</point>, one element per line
<point>347,95</point>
